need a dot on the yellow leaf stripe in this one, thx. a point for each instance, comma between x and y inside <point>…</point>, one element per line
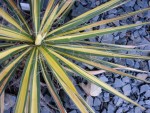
<point>8,18</point>
<point>55,65</point>
<point>4,73</point>
<point>11,50</point>
<point>101,53</point>
<point>23,91</point>
<point>35,91</point>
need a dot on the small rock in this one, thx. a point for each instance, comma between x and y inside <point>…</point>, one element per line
<point>141,103</point>
<point>130,4</point>
<point>119,102</point>
<point>120,110</point>
<point>95,19</point>
<point>111,108</point>
<point>144,88</point>
<point>116,38</point>
<point>104,111</point>
<point>138,22</point>
<point>79,10</point>
<point>45,110</point>
<point>149,64</point>
<point>104,78</point>
<point>9,101</point>
<point>147,102</point>
<point>89,100</point>
<point>130,62</point>
<point>97,3</point>
<point>126,79</point>
<point>121,41</point>
<point>118,83</point>
<point>107,38</point>
<point>147,94</point>
<point>48,98</point>
<point>7,111</point>
<point>83,2</point>
<point>142,76</point>
<point>97,102</point>
<point>147,111</point>
<point>138,110</point>
<point>135,90</point>
<point>74,111</point>
<point>106,97</point>
<point>127,89</point>
<point>137,65</point>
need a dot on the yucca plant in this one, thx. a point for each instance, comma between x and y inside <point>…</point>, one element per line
<point>44,45</point>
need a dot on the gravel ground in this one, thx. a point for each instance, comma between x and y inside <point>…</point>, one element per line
<point>136,90</point>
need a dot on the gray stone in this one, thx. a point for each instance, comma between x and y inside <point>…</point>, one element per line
<point>136,34</point>
<point>111,15</point>
<point>48,98</point>
<point>113,11</point>
<point>118,83</point>
<point>127,89</point>
<point>95,19</point>
<point>142,32</point>
<point>144,88</point>
<point>93,3</point>
<point>110,108</point>
<point>9,101</point>
<point>97,102</point>
<point>126,108</point>
<point>149,64</point>
<point>135,90</point>
<point>148,15</point>
<point>138,22</point>
<point>138,110</point>
<point>123,34</point>
<point>126,79</point>
<point>79,10</point>
<point>120,110</point>
<point>106,97</point>
<point>97,108</point>
<point>93,109</point>
<point>122,41</point>
<point>142,76</point>
<point>130,62</point>
<point>116,38</point>
<point>103,78</point>
<point>147,102</point>
<point>104,111</point>
<point>147,94</point>
<point>119,102</point>
<point>90,100</point>
<point>45,110</point>
<point>83,2</point>
<point>143,3</point>
<point>107,38</point>
<point>136,65</point>
<point>141,103</point>
<point>147,111</point>
<point>7,111</point>
<point>74,111</point>
<point>131,111</point>
<point>131,3</point>
<point>97,3</point>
